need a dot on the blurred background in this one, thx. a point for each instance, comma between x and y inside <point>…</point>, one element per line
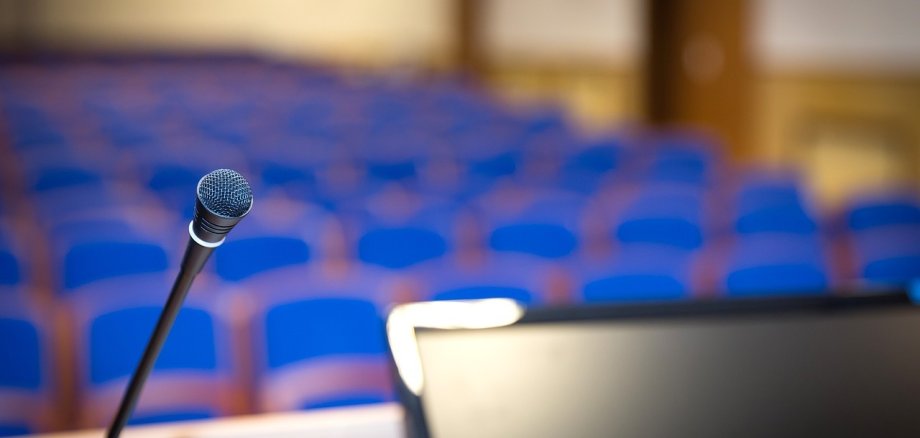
<point>555,152</point>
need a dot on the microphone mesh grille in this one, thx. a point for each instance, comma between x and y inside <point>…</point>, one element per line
<point>225,192</point>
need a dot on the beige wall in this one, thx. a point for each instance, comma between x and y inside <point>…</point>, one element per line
<point>361,31</point>
<point>580,32</point>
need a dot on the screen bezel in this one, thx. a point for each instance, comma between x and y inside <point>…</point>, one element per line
<point>466,315</point>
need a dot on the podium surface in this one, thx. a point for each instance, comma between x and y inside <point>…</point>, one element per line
<point>373,421</point>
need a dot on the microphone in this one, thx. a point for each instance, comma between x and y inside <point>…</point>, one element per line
<point>224,198</point>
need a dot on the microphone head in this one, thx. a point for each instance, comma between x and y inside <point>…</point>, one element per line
<point>224,197</point>
<point>226,193</point>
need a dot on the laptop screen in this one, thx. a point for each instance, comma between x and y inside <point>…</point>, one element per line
<point>853,371</point>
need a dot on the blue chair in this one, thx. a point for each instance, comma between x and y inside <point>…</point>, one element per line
<point>393,170</point>
<point>89,261</point>
<point>776,264</point>
<point>884,211</point>
<point>547,228</point>
<point>680,165</point>
<point>540,239</point>
<point>888,254</point>
<point>338,357</point>
<point>65,203</point>
<point>294,178</point>
<point>10,266</point>
<point>585,170</point>
<point>192,377</point>
<point>128,134</point>
<point>61,177</point>
<point>899,269</point>
<point>772,206</point>
<point>25,393</point>
<point>239,259</point>
<point>400,247</point>
<point>398,239</point>
<point>640,272</point>
<point>166,178</point>
<point>886,237</point>
<point>663,215</point>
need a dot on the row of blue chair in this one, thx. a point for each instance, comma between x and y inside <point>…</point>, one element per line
<point>98,248</point>
<point>198,374</point>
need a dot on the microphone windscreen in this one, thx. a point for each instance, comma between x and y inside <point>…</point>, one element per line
<point>226,193</point>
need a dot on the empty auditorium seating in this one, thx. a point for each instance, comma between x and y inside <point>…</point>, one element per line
<point>362,183</point>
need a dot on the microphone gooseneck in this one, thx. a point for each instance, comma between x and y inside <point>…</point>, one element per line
<point>224,197</point>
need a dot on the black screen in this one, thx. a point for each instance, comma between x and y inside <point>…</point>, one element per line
<point>800,374</point>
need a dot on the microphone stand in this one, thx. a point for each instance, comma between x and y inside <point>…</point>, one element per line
<point>192,262</point>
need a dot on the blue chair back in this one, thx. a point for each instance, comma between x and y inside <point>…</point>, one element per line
<point>896,269</point>
<point>634,287</point>
<point>773,206</point>
<point>64,177</point>
<point>323,327</point>
<point>10,274</point>
<point>87,262</point>
<point>20,348</point>
<point>888,253</point>
<point>884,212</point>
<point>547,228</point>
<point>117,339</point>
<point>777,279</point>
<point>540,239</point>
<point>239,259</point>
<point>777,264</point>
<point>640,272</point>
<point>400,247</point>
<point>663,217</point>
